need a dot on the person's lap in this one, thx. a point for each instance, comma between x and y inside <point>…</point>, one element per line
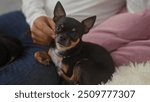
<point>24,70</point>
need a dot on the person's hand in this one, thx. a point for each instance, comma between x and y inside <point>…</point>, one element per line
<point>43,30</point>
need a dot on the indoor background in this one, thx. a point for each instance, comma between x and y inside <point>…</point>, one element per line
<point>9,5</point>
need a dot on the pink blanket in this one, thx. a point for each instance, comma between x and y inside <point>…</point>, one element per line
<point>126,36</point>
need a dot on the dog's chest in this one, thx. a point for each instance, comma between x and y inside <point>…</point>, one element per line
<point>57,60</point>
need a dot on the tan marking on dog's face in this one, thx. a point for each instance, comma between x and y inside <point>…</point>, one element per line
<point>64,48</point>
<point>73,29</point>
<point>62,26</point>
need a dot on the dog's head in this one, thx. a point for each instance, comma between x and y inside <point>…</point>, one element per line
<point>69,30</point>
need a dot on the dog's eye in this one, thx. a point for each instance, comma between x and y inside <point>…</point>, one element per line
<point>59,28</point>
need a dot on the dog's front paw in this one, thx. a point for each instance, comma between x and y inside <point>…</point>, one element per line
<point>42,57</point>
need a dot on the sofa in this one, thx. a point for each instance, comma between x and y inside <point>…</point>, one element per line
<point>126,36</point>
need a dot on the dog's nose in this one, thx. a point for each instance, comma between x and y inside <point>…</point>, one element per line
<point>62,38</point>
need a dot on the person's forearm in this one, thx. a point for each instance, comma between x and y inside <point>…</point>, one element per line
<point>33,9</point>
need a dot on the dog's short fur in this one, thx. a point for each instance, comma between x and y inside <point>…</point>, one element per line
<point>10,48</point>
<point>77,62</point>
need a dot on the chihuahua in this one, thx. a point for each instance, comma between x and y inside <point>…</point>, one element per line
<point>77,62</point>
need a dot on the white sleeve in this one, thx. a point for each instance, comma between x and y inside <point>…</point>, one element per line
<point>137,5</point>
<point>32,9</point>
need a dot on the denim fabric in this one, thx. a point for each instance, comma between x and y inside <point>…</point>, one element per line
<point>24,70</point>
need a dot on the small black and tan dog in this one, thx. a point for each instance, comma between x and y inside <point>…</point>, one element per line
<point>77,62</point>
<point>10,49</point>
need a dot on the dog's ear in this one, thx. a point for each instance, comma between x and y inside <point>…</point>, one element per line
<point>58,12</point>
<point>88,23</point>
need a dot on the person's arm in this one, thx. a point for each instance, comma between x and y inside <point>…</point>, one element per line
<point>42,26</point>
<point>33,9</point>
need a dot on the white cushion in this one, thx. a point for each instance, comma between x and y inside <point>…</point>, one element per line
<point>137,5</point>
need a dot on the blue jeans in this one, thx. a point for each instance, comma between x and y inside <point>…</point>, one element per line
<point>24,70</point>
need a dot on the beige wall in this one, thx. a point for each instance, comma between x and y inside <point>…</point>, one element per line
<point>9,5</point>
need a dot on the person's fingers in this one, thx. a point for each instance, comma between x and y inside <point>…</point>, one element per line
<point>44,27</point>
<point>40,41</point>
<point>40,24</point>
<point>39,37</point>
<point>43,30</point>
<point>40,34</point>
<point>47,30</point>
<point>51,24</point>
<point>35,38</point>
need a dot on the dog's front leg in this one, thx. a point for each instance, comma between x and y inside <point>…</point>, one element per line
<point>63,75</point>
<point>42,57</point>
<point>74,79</point>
